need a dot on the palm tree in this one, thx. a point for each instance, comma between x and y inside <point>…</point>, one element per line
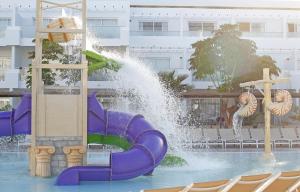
<point>174,83</point>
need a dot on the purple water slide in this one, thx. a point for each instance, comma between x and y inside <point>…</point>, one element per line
<point>17,121</point>
<point>149,147</point>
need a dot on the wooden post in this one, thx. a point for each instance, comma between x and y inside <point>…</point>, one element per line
<point>267,101</point>
<point>34,85</point>
<point>267,83</point>
<point>84,79</point>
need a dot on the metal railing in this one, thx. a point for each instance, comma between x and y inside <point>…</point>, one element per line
<point>27,31</point>
<point>105,32</point>
<point>5,63</point>
<point>293,34</point>
<point>262,34</point>
<point>2,30</point>
<point>198,33</point>
<point>2,75</point>
<point>23,73</point>
<point>155,33</point>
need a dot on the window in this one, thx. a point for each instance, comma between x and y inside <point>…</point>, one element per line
<point>292,27</point>
<point>4,22</point>
<point>252,27</point>
<point>4,65</point>
<point>244,27</point>
<point>257,27</point>
<point>195,26</point>
<point>201,26</point>
<point>102,22</point>
<point>153,26</point>
<point>104,28</point>
<point>208,26</point>
<point>157,64</point>
<point>4,102</point>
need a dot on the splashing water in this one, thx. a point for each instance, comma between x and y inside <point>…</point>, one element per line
<point>140,91</point>
<point>237,122</point>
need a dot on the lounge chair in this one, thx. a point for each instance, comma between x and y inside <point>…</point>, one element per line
<point>247,183</point>
<point>171,189</point>
<point>259,135</point>
<point>277,138</point>
<point>285,182</point>
<point>247,138</point>
<point>213,138</point>
<point>228,138</point>
<point>195,138</point>
<point>213,186</point>
<point>25,142</point>
<point>291,135</point>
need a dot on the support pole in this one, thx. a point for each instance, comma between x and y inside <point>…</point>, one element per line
<point>267,83</point>
<point>267,101</point>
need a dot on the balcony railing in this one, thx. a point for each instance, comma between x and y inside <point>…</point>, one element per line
<point>198,33</point>
<point>105,32</point>
<point>293,34</point>
<point>262,34</point>
<point>4,66</point>
<point>2,30</point>
<point>154,33</point>
<point>27,31</point>
<point>23,73</point>
<point>205,34</point>
<point>2,74</point>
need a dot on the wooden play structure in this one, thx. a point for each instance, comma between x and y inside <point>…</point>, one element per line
<point>59,121</point>
<point>281,106</point>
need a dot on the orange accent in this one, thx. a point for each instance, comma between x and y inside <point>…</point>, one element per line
<point>65,37</point>
<point>50,37</point>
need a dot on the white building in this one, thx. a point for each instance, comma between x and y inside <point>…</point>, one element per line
<point>160,32</point>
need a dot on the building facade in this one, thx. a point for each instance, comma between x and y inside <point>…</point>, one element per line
<point>159,33</point>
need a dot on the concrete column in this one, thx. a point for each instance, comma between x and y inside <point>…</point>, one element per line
<point>185,59</point>
<point>12,74</point>
<point>181,25</point>
<point>13,57</point>
<point>284,27</point>
<point>14,17</point>
<point>232,21</point>
<point>296,60</point>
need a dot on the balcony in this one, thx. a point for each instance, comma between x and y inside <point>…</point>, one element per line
<point>263,34</point>
<point>293,34</point>
<point>2,31</point>
<point>4,66</point>
<point>105,32</point>
<point>27,31</point>
<point>198,33</point>
<point>155,33</point>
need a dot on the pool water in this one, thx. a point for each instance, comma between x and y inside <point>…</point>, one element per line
<point>204,166</point>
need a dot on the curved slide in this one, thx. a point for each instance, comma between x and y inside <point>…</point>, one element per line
<point>17,121</point>
<point>147,145</point>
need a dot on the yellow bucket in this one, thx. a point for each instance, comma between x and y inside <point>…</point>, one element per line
<point>64,22</point>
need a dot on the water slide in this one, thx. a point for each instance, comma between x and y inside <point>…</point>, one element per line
<point>17,121</point>
<point>147,146</point>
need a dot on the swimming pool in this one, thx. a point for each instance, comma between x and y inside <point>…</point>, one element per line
<point>204,166</point>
